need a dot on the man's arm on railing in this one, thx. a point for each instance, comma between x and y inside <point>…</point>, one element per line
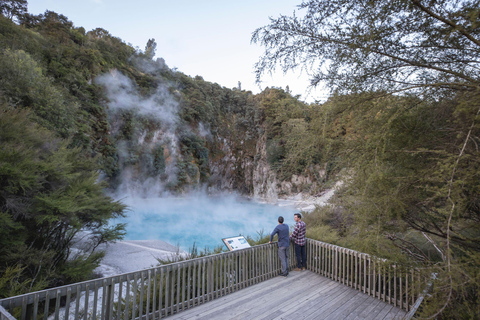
<point>275,231</point>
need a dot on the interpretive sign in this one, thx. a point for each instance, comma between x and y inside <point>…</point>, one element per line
<point>236,243</point>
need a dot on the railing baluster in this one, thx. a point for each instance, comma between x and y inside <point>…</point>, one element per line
<point>87,293</point>
<point>208,278</point>
<point>47,306</point>
<point>189,284</point>
<point>120,295</point>
<point>111,295</point>
<point>178,287</point>
<point>394,285</point>
<point>127,298</point>
<point>384,269</point>
<point>24,308</point>
<point>167,291</point>
<point>401,291</point>
<point>160,294</point>
<point>406,291</point>
<point>364,257</point>
<point>183,284</point>
<point>149,287</point>
<point>154,293</point>
<point>67,304</point>
<point>370,270</point>
<point>173,287</point>
<point>193,286</point>
<point>218,277</point>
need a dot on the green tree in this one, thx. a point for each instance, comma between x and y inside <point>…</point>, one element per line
<point>13,8</point>
<point>412,159</point>
<point>371,45</point>
<point>150,48</point>
<point>48,194</point>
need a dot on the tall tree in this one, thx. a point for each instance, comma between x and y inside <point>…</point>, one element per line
<point>413,162</point>
<point>365,45</point>
<point>48,194</point>
<point>13,8</point>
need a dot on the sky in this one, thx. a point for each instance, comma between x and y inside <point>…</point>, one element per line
<point>210,38</point>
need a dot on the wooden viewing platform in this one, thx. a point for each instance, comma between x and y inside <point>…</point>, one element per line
<point>339,283</point>
<point>302,295</point>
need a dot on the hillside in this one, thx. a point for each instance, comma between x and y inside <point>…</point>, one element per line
<point>86,118</point>
<point>78,107</point>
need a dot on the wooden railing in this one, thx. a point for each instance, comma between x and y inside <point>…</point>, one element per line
<point>152,293</point>
<point>373,276</point>
<point>158,292</point>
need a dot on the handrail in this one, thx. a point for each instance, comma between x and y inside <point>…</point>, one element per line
<point>376,277</point>
<point>155,292</point>
<point>420,298</point>
<point>4,315</point>
<point>168,289</point>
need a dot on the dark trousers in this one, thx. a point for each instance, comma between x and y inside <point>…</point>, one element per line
<point>301,254</point>
<point>283,255</point>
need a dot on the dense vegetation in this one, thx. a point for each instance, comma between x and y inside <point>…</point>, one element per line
<point>404,125</point>
<point>401,130</point>
<point>61,131</point>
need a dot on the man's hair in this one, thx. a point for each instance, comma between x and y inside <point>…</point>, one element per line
<point>280,219</point>
<point>299,216</point>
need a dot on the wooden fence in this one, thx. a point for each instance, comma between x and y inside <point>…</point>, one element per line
<point>158,292</point>
<point>373,276</point>
<point>152,293</point>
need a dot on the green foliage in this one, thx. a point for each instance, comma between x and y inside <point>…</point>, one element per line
<point>48,193</point>
<point>13,8</point>
<point>410,161</point>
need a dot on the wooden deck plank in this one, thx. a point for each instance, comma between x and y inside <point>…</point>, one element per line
<point>309,290</point>
<point>370,300</point>
<point>395,315</point>
<point>366,312</point>
<point>319,300</point>
<point>285,293</point>
<point>374,312</point>
<point>241,296</point>
<point>329,308</point>
<point>295,306</point>
<point>227,303</point>
<point>302,295</point>
<point>386,310</point>
<point>348,307</point>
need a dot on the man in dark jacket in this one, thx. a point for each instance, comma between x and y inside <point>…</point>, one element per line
<point>283,244</point>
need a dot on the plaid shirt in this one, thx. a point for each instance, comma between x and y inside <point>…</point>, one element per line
<point>299,233</point>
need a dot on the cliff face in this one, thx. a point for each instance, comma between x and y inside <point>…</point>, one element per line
<point>181,134</point>
<point>248,171</point>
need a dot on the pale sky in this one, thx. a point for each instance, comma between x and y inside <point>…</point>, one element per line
<point>210,38</point>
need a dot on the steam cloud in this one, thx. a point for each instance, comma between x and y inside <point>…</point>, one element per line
<point>200,219</point>
<point>154,214</point>
<point>160,106</point>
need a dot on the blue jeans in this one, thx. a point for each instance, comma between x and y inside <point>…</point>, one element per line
<point>283,255</point>
<point>301,254</point>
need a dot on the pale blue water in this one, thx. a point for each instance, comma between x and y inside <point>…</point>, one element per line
<point>203,220</point>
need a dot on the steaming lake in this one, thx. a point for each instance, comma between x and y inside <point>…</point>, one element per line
<point>203,220</point>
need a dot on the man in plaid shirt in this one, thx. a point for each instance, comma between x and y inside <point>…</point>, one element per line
<point>298,236</point>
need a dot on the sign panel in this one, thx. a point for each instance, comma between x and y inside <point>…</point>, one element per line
<point>236,243</point>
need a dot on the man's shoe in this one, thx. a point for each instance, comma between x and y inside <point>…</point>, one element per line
<point>303,268</point>
<point>297,269</point>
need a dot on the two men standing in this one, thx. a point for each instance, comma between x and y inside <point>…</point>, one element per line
<point>298,236</point>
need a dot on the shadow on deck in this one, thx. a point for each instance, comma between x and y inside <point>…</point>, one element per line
<point>302,295</point>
